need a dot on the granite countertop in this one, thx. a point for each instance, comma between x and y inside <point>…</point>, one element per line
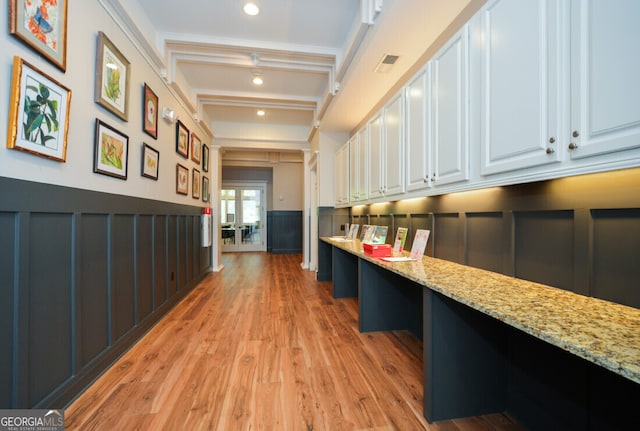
<point>602,332</point>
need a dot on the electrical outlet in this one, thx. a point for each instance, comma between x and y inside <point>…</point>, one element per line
<point>172,275</point>
<point>342,227</point>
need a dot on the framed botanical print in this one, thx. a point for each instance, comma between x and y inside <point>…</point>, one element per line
<point>205,158</point>
<point>150,162</point>
<point>205,189</point>
<point>182,179</point>
<point>150,112</point>
<point>196,148</point>
<point>195,184</point>
<point>182,139</point>
<point>112,78</point>
<point>110,151</point>
<point>38,113</point>
<point>42,25</point>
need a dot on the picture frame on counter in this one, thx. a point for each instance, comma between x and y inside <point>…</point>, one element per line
<point>110,151</point>
<point>150,162</point>
<point>41,25</point>
<point>113,72</point>
<point>38,113</point>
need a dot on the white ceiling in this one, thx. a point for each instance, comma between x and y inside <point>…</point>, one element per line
<point>316,57</point>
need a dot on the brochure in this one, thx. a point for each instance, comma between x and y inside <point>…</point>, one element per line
<point>353,232</point>
<point>364,231</point>
<point>401,237</point>
<point>419,243</point>
<point>379,235</point>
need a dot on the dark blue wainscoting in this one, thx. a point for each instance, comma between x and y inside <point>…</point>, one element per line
<point>83,275</point>
<point>284,232</point>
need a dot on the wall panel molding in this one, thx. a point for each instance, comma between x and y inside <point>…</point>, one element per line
<point>83,275</point>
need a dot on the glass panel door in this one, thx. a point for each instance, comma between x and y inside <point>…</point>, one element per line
<point>242,218</point>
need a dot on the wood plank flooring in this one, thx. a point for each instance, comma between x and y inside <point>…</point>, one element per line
<point>262,346</point>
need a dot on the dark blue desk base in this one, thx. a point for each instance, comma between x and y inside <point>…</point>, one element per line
<point>475,364</point>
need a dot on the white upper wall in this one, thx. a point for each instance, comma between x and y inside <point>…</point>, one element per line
<point>77,171</point>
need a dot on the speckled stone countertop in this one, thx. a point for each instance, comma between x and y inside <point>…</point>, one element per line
<point>602,332</point>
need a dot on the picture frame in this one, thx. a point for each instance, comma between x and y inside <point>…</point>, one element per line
<point>195,184</point>
<point>149,112</point>
<point>110,151</point>
<point>113,72</point>
<point>182,139</point>
<point>205,189</point>
<point>42,26</point>
<point>38,112</point>
<point>150,162</point>
<point>182,179</point>
<point>196,148</point>
<point>205,157</point>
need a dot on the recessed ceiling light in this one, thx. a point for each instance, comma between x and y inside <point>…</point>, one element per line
<point>257,80</point>
<point>251,8</point>
<point>260,113</point>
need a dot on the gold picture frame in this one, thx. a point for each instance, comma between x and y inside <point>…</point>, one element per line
<point>113,73</point>
<point>39,112</point>
<point>42,26</point>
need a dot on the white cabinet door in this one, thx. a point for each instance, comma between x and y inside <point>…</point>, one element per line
<point>521,83</point>
<point>342,175</point>
<point>376,177</point>
<point>417,127</point>
<point>605,68</point>
<point>354,154</point>
<point>450,116</point>
<point>363,163</point>
<point>393,162</point>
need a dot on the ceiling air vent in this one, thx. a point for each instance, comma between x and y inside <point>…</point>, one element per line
<point>386,63</point>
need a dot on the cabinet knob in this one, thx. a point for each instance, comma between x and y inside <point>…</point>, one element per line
<point>575,134</point>
<point>552,140</point>
<point>425,180</point>
<point>550,150</point>
<point>573,146</point>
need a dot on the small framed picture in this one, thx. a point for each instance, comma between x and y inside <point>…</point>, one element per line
<point>38,113</point>
<point>110,151</point>
<point>112,78</point>
<point>150,162</point>
<point>205,158</point>
<point>196,148</point>
<point>205,189</point>
<point>42,25</point>
<point>195,184</point>
<point>182,179</point>
<point>182,139</point>
<point>150,112</point>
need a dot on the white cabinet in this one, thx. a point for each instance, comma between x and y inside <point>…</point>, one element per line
<point>393,144</point>
<point>358,166</point>
<point>521,82</point>
<point>341,166</point>
<point>450,116</point>
<point>376,177</point>
<point>605,68</point>
<point>418,130</point>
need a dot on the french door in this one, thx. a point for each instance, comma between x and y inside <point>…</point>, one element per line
<point>243,218</point>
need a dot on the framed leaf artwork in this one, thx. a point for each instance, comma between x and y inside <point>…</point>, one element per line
<point>195,184</point>
<point>150,162</point>
<point>205,189</point>
<point>182,179</point>
<point>42,25</point>
<point>205,158</point>
<point>112,78</point>
<point>182,139</point>
<point>38,113</point>
<point>150,112</point>
<point>110,151</point>
<point>196,148</point>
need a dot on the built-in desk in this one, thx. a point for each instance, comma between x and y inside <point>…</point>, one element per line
<point>492,343</point>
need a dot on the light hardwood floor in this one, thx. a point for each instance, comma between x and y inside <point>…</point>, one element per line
<point>262,346</point>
